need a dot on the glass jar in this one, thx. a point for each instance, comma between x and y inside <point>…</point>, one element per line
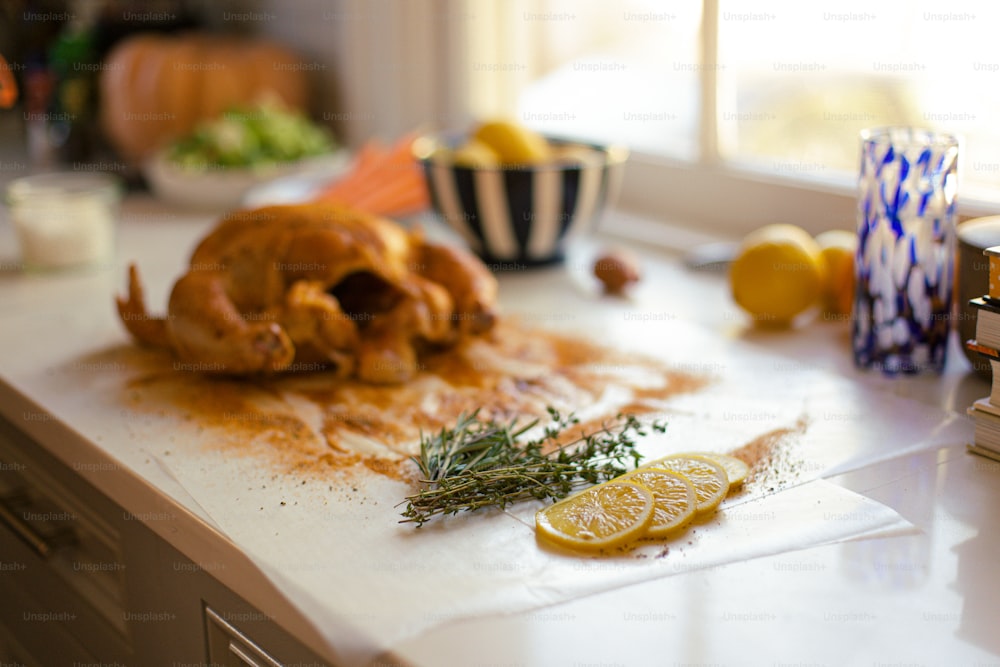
<point>65,220</point>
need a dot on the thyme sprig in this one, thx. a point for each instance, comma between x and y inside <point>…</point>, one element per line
<point>481,463</point>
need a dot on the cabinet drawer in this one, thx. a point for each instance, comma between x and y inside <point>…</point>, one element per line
<point>43,634</point>
<point>61,537</point>
<point>45,601</point>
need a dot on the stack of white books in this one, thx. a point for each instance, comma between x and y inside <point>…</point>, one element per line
<point>985,412</point>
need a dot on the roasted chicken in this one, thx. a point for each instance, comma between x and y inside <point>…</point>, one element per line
<point>302,287</point>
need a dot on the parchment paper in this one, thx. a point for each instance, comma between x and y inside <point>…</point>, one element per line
<point>338,552</point>
<point>368,582</point>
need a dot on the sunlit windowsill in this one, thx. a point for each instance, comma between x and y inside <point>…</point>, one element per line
<point>975,199</point>
<point>675,235</point>
<point>734,198</point>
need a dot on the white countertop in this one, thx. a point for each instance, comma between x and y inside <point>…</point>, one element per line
<point>927,598</point>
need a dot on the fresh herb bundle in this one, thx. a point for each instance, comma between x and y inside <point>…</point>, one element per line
<point>480,463</point>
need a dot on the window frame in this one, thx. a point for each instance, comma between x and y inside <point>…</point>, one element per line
<point>709,193</point>
<point>724,197</point>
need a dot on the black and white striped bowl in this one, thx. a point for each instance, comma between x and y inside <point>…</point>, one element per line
<point>521,215</point>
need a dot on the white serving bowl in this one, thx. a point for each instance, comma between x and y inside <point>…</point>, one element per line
<point>222,189</point>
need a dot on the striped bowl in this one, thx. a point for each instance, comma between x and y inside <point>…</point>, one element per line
<point>521,215</point>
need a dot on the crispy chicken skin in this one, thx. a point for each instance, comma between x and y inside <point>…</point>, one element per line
<point>296,287</point>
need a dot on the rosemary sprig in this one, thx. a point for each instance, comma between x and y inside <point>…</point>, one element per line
<point>480,463</point>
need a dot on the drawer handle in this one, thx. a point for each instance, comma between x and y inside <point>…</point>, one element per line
<point>12,510</point>
<point>243,656</point>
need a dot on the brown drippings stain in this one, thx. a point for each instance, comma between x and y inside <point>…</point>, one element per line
<point>637,409</point>
<point>315,423</point>
<point>773,459</point>
<point>680,383</point>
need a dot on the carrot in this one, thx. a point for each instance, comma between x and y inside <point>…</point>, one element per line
<point>380,182</point>
<point>384,181</point>
<point>405,193</point>
<point>367,160</point>
<point>393,161</point>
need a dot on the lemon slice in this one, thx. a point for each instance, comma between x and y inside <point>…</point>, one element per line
<point>673,497</point>
<point>601,517</point>
<point>736,469</point>
<point>710,481</point>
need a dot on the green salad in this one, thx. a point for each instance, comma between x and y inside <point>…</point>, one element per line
<point>255,136</point>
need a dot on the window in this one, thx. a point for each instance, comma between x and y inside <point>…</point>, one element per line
<point>743,113</point>
<point>803,79</point>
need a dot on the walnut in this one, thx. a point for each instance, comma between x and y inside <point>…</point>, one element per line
<point>616,269</point>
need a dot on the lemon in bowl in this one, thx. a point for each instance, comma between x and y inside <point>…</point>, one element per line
<point>515,196</point>
<point>514,144</point>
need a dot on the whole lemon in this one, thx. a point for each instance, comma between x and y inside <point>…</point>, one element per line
<point>838,247</point>
<point>513,143</point>
<point>778,273</point>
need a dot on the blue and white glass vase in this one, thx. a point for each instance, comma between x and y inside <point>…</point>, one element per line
<point>905,262</point>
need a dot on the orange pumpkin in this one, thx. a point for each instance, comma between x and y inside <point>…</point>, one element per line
<point>155,87</point>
